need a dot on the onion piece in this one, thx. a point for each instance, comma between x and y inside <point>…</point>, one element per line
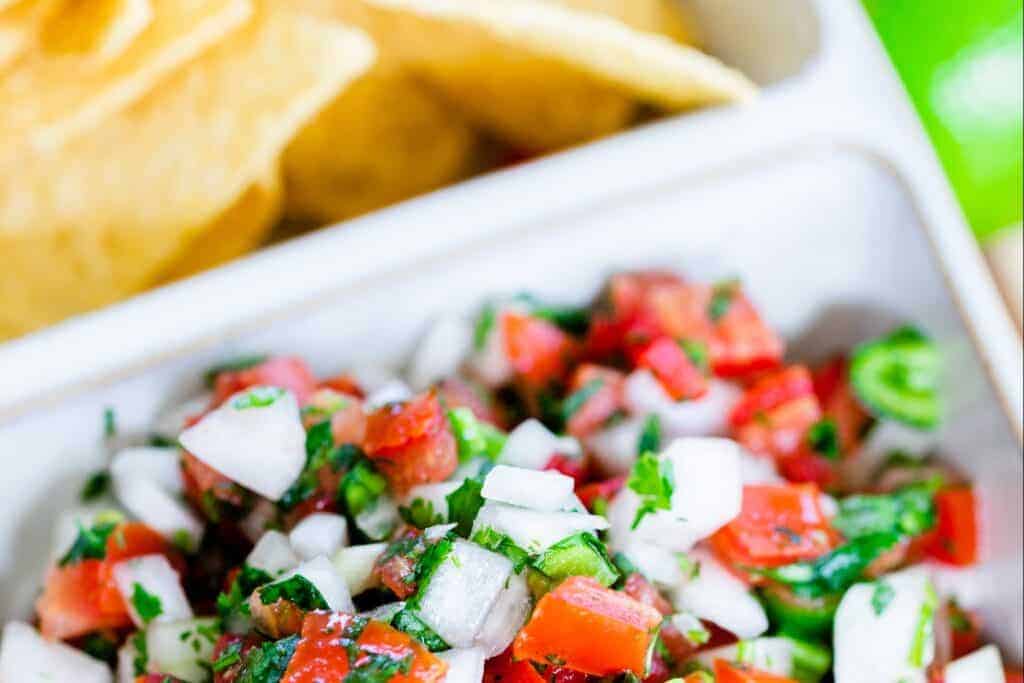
<point>535,531</point>
<point>531,445</point>
<point>180,648</point>
<point>160,510</point>
<point>395,391</point>
<point>656,563</point>
<point>160,465</point>
<point>440,352</point>
<point>771,655</point>
<point>510,612</point>
<point>153,575</point>
<point>274,554</point>
<point>706,416</point>
<point>385,612</point>
<point>321,533</point>
<point>981,666</point>
<point>172,422</point>
<point>465,665</point>
<point>614,448</point>
<point>355,565</point>
<point>533,489</point>
<point>260,445</point>
<point>328,580</point>
<point>433,494</point>
<point>716,595</point>
<point>27,656</point>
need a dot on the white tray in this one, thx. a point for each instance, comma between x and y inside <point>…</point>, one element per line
<point>824,196</point>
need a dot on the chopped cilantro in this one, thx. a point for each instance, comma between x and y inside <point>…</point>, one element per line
<point>484,325</point>
<point>268,662</point>
<point>320,453</point>
<point>925,631</point>
<point>464,503</point>
<point>475,437</point>
<point>881,597</point>
<point>235,600</point>
<point>91,543</point>
<point>409,623</point>
<point>697,352</point>
<point>141,659</point>
<point>654,481</point>
<point>230,656</point>
<point>823,438</point>
<point>361,487</point>
<point>420,514</point>
<point>258,397</point>
<point>576,400</point>
<point>575,321</point>
<point>109,423</point>
<point>240,363</point>
<point>95,486</point>
<point>500,543</point>
<point>100,647</point>
<point>296,589</point>
<point>379,668</point>
<point>428,563</point>
<point>650,436</point>
<point>146,604</point>
<point>721,298</point>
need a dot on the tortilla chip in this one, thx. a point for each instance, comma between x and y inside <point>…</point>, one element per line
<point>544,76</point>
<point>48,98</point>
<point>99,219</point>
<point>387,138</point>
<point>240,229</point>
<point>21,23</point>
<point>101,29</point>
<point>666,17</point>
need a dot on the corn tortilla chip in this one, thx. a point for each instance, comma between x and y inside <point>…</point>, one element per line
<point>99,219</point>
<point>543,75</point>
<point>240,229</point>
<point>102,29</point>
<point>21,23</point>
<point>666,17</point>
<point>48,98</point>
<point>386,138</point>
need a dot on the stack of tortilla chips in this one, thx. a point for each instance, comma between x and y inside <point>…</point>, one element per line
<point>145,140</point>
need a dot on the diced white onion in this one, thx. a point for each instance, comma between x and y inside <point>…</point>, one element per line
<point>155,575</point>
<point>171,423</point>
<point>771,655</point>
<point>395,391</point>
<point>440,352</point>
<point>26,657</point>
<point>875,644</point>
<point>160,465</point>
<point>321,533</point>
<point>535,531</point>
<point>614,448</point>
<point>534,489</point>
<point>716,595</point>
<point>65,530</point>
<point>490,363</point>
<point>462,591</point>
<point>125,662</point>
<point>261,448</point>
<point>434,494</point>
<point>465,665</point>
<point>385,612</point>
<point>531,445</point>
<point>433,533</point>
<point>180,648</point>
<point>328,580</point>
<point>355,564</point>
<point>159,509</point>
<point>706,416</point>
<point>379,519</point>
<point>508,615</point>
<point>755,469</point>
<point>981,666</point>
<point>274,554</point>
<point>656,563</point>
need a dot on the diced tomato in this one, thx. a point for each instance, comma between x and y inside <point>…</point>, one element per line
<point>285,372</point>
<point>1014,676</point>
<point>202,482</point>
<point>726,672</point>
<point>809,468</point>
<point>658,672</point>
<point>778,524</point>
<point>560,674</point>
<point>580,612</point>
<point>539,351</point>
<point>505,669</point>
<point>231,673</point>
<point>838,401</point>
<point>457,393</point>
<point>781,432</point>
<point>956,540</point>
<point>641,590</point>
<point>411,443</point>
<point>601,404</point>
<point>771,392</point>
<point>606,490</point>
<point>628,318</point>
<point>674,369</point>
<point>743,343</point>
<point>83,597</point>
<point>348,425</point>
<point>570,467</point>
<point>157,678</point>
<point>965,628</point>
<point>396,567</point>
<point>345,384</point>
<point>323,651</point>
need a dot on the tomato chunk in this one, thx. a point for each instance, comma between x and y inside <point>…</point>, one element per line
<point>838,401</point>
<point>956,538</point>
<point>539,351</point>
<point>781,432</point>
<point>82,597</point>
<point>739,673</point>
<point>771,392</point>
<point>505,669</point>
<point>411,443</point>
<point>580,612</point>
<point>742,342</point>
<point>777,525</point>
<point>332,645</point>
<point>674,370</point>
<point>606,490</point>
<point>602,388</point>
<point>285,372</point>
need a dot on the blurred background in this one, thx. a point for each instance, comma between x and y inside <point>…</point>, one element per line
<point>144,141</point>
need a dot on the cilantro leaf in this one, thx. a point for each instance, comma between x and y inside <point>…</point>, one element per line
<point>229,656</point>
<point>500,543</point>
<point>361,487</point>
<point>268,662</point>
<point>109,423</point>
<point>235,601</point>
<point>428,563</point>
<point>379,668</point>
<point>146,604</point>
<point>650,436</point>
<point>881,597</point>
<point>574,401</point>
<point>721,299</point>
<point>240,363</point>
<point>258,397</point>
<point>484,324</point>
<point>90,543</point>
<point>95,486</point>
<point>698,353</point>
<point>420,514</point>
<point>464,503</point>
<point>296,589</point>
<point>654,481</point>
<point>823,438</point>
<point>409,623</point>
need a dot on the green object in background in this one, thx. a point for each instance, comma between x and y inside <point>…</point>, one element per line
<point>961,61</point>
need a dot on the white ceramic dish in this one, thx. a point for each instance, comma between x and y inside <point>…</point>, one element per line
<point>823,196</point>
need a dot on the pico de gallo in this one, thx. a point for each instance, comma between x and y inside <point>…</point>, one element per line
<point>644,489</point>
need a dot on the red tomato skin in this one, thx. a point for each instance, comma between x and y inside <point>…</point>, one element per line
<point>1014,676</point>
<point>777,525</point>
<point>285,372</point>
<point>539,351</point>
<point>345,384</point>
<point>457,393</point>
<point>809,468</point>
<point>680,378</point>
<point>956,538</point>
<point>588,493</point>
<point>320,656</point>
<point>641,590</point>
<point>505,669</point>
<point>397,424</point>
<point>781,432</point>
<point>726,672</point>
<point>838,401</point>
<point>602,404</point>
<point>743,343</point>
<point>570,467</point>
<point>411,443</point>
<point>771,392</point>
